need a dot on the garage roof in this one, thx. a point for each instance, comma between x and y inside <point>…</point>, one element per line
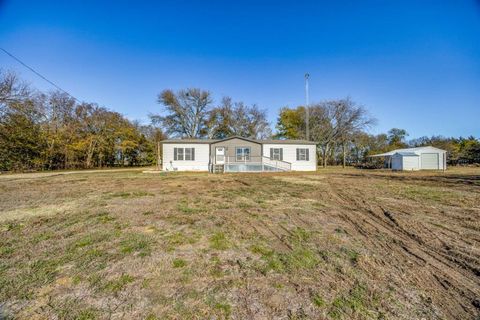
<point>416,150</point>
<point>403,153</point>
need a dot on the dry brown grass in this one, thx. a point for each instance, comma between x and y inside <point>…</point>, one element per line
<point>335,244</point>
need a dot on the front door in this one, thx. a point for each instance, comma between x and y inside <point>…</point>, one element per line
<point>220,155</point>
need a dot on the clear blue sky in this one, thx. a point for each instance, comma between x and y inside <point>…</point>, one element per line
<point>412,64</point>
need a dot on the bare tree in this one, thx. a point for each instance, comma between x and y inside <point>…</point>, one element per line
<point>335,122</point>
<point>187,112</point>
<point>12,89</point>
<point>236,118</point>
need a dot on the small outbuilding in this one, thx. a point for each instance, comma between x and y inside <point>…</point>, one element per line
<point>420,158</point>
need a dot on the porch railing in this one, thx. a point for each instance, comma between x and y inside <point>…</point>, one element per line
<point>279,164</point>
<point>254,164</point>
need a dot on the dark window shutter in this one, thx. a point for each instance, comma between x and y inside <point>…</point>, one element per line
<point>281,154</point>
<point>175,154</point>
<point>298,154</point>
<point>271,153</point>
<point>193,154</point>
<point>307,150</point>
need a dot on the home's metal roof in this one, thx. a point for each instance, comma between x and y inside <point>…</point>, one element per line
<point>268,141</point>
<point>416,150</point>
<point>277,141</point>
<point>188,141</point>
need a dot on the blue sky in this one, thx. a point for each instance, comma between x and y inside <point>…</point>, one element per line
<point>412,64</point>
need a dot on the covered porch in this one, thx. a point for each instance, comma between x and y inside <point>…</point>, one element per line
<point>242,155</point>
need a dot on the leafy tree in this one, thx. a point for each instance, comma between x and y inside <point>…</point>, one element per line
<point>291,123</point>
<point>53,131</point>
<point>470,150</point>
<point>21,138</point>
<point>153,149</point>
<point>396,138</point>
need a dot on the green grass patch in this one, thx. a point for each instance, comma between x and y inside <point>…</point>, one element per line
<point>216,269</point>
<point>136,243</point>
<point>219,241</point>
<point>318,301</point>
<point>117,285</point>
<point>354,302</point>
<point>27,278</point>
<point>221,306</point>
<point>44,236</point>
<point>300,235</point>
<point>299,258</point>
<point>177,239</point>
<point>73,309</point>
<point>105,217</point>
<point>185,207</point>
<point>351,254</point>
<point>126,194</point>
<point>85,241</point>
<point>179,263</point>
<point>6,250</point>
<point>91,239</point>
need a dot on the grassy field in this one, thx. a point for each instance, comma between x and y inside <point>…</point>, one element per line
<point>335,244</point>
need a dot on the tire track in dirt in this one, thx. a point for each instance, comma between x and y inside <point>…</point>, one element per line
<point>454,273</point>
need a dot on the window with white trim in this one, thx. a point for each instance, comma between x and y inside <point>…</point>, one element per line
<point>242,153</point>
<point>184,154</point>
<point>302,154</point>
<point>276,154</point>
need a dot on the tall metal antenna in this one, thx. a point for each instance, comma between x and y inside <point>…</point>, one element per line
<point>307,108</point>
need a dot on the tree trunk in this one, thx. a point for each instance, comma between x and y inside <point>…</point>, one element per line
<point>344,153</point>
<point>325,155</point>
<point>90,151</point>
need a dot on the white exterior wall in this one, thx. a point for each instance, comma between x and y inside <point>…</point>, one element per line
<point>405,162</point>
<point>202,157</point>
<point>290,155</point>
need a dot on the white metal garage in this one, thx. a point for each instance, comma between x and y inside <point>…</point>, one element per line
<point>420,158</point>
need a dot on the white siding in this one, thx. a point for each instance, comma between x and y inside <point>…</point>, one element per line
<point>290,155</point>
<point>201,162</point>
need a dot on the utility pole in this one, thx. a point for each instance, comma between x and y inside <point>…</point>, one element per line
<point>307,108</point>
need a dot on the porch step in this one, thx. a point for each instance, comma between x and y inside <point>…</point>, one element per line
<point>218,168</point>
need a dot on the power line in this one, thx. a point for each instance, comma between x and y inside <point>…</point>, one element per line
<point>37,73</point>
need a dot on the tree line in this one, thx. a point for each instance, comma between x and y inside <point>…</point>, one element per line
<point>48,131</point>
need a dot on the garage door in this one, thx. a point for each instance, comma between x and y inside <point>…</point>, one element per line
<point>410,163</point>
<point>429,160</point>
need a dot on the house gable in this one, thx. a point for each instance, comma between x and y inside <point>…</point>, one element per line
<point>239,138</point>
<point>230,144</point>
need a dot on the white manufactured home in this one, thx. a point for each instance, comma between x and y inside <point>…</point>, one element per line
<point>420,158</point>
<point>238,154</point>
